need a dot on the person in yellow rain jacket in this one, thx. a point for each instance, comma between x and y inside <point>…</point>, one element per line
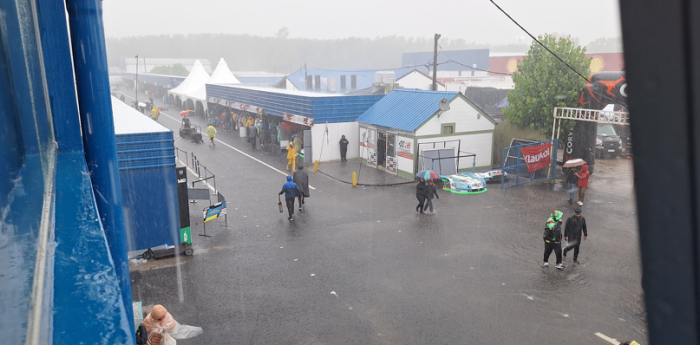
<point>211,132</point>
<point>251,121</point>
<point>155,113</point>
<point>291,157</point>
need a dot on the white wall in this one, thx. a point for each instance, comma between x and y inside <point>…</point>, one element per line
<point>405,164</point>
<point>480,144</point>
<point>418,81</point>
<point>462,114</point>
<point>331,147</point>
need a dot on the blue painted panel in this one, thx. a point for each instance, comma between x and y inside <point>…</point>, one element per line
<point>12,154</point>
<point>56,46</point>
<point>92,81</point>
<point>88,305</point>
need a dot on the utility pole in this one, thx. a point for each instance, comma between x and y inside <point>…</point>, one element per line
<point>136,87</point>
<point>437,37</point>
<point>306,76</point>
<point>144,65</point>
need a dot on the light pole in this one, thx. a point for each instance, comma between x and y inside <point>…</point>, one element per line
<point>136,87</point>
<point>437,37</point>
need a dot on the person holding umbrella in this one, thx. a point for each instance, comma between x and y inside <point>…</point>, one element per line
<point>572,177</point>
<point>432,191</point>
<point>421,193</point>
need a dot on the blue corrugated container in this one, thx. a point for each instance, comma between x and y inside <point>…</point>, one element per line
<point>146,156</point>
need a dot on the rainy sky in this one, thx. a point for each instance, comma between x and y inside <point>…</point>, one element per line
<point>473,20</point>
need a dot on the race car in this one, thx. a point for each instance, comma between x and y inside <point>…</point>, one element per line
<point>495,175</point>
<point>464,183</point>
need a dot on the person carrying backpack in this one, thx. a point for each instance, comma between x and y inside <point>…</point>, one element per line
<point>552,239</point>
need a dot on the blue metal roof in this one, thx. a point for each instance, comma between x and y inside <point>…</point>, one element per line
<point>478,57</point>
<point>365,78</point>
<point>320,107</point>
<point>405,109</point>
<point>272,81</point>
<point>155,79</point>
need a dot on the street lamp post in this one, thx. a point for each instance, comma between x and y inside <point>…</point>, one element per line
<point>136,87</point>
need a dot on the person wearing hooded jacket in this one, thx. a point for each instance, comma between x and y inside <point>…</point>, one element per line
<point>572,232</point>
<point>552,239</point>
<point>582,183</point>
<point>290,191</point>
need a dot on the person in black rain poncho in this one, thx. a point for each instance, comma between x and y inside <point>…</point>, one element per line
<point>301,178</point>
<point>421,194</point>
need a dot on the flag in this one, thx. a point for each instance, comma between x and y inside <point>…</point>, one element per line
<point>327,140</point>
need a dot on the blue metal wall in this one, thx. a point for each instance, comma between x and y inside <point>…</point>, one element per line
<point>149,189</point>
<point>322,109</point>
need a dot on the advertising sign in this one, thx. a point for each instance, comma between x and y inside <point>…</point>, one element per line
<point>302,120</point>
<point>371,147</point>
<point>536,157</point>
<point>391,159</point>
<point>214,211</point>
<point>405,148</point>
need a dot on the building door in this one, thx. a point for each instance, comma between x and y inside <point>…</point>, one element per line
<point>381,149</point>
<point>391,158</point>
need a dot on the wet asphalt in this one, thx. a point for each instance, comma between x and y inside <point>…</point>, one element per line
<point>360,266</point>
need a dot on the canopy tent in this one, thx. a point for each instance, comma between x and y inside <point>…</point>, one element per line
<point>197,77</point>
<point>222,75</point>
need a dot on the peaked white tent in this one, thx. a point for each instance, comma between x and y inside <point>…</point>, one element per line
<point>222,75</point>
<point>197,77</point>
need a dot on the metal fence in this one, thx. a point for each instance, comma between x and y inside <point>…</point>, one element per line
<point>515,170</point>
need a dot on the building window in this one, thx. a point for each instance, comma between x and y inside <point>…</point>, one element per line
<point>448,128</point>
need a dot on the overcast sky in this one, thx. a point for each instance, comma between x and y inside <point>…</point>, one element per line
<point>473,20</point>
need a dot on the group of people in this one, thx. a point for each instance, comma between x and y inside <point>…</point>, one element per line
<point>297,186</point>
<point>573,229</point>
<point>425,191</point>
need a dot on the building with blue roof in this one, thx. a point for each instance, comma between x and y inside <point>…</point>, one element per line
<point>327,116</point>
<point>396,133</point>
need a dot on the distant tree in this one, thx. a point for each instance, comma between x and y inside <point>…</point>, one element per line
<point>282,33</point>
<point>605,45</point>
<point>176,69</point>
<point>542,82</point>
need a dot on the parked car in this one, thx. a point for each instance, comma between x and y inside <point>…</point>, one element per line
<point>607,141</point>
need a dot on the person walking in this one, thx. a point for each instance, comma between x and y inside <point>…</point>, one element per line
<point>155,113</point>
<point>582,183</point>
<point>301,178</point>
<point>421,193</point>
<point>589,157</point>
<point>571,182</point>
<point>211,132</point>
<point>572,233</point>
<point>298,145</point>
<point>252,136</point>
<point>431,191</point>
<point>291,157</point>
<point>552,239</point>
<point>343,148</point>
<point>290,191</point>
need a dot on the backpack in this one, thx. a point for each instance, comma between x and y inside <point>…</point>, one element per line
<point>141,335</point>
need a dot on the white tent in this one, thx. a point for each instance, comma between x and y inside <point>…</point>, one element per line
<point>222,75</point>
<point>197,77</point>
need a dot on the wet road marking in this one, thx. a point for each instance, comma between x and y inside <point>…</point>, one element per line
<point>608,339</point>
<point>334,294</point>
<point>239,151</point>
<point>529,297</point>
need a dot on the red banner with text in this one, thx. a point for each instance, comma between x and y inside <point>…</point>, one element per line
<point>536,157</point>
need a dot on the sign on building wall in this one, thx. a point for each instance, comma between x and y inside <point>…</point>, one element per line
<point>370,143</point>
<point>391,159</point>
<point>302,120</point>
<point>405,147</point>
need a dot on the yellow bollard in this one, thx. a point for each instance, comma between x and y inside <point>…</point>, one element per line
<point>354,179</point>
<point>316,165</point>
